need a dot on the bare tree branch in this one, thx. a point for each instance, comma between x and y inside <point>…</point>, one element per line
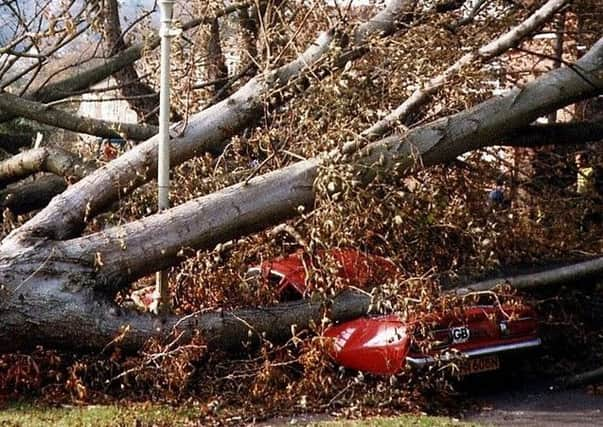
<point>65,38</point>
<point>28,196</point>
<point>484,53</point>
<point>45,159</point>
<point>59,118</point>
<point>206,131</point>
<point>477,6</point>
<point>97,74</point>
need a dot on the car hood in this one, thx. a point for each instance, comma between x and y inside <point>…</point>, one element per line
<point>376,344</point>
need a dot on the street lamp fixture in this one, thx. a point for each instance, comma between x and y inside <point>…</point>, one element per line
<point>166,32</point>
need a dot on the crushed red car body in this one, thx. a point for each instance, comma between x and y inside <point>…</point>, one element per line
<point>372,344</point>
<point>478,334</point>
<point>289,274</point>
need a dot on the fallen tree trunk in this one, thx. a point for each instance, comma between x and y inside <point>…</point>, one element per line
<point>57,284</point>
<point>54,117</point>
<point>36,195</point>
<point>46,159</point>
<point>94,326</point>
<point>28,196</point>
<point>100,323</point>
<point>570,274</point>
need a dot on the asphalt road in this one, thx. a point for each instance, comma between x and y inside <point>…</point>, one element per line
<point>531,405</point>
<point>537,405</point>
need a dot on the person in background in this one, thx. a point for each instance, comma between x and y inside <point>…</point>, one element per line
<point>496,197</point>
<point>586,188</point>
<point>110,148</point>
<point>109,151</point>
<point>585,182</point>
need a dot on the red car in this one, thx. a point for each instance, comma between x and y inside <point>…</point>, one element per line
<point>478,335</point>
<point>386,344</point>
<point>289,274</point>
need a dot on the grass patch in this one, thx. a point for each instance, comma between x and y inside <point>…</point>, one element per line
<point>95,415</point>
<point>28,415</point>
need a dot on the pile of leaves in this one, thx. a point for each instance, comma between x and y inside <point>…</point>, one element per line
<point>434,226</point>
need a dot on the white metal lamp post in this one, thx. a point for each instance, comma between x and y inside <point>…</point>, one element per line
<point>166,33</point>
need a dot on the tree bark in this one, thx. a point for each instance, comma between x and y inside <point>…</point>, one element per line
<point>575,273</point>
<point>558,53</point>
<point>45,159</point>
<point>216,70</point>
<point>82,321</point>
<point>142,98</point>
<point>26,196</point>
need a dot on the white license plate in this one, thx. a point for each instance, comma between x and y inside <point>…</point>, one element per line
<point>479,364</point>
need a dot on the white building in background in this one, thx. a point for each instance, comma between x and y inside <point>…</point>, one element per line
<point>105,105</point>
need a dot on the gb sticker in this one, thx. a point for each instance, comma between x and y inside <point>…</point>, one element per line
<point>460,335</point>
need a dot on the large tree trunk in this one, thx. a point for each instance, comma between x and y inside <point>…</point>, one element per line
<point>143,99</point>
<point>215,66</point>
<point>53,291</point>
<point>55,312</point>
